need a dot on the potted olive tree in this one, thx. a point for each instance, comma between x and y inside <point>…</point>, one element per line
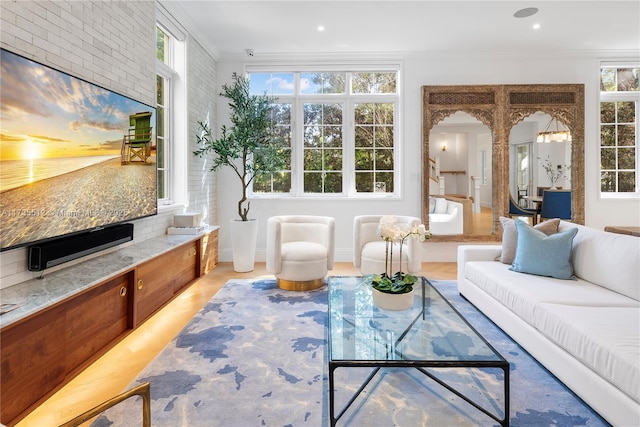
<point>249,148</point>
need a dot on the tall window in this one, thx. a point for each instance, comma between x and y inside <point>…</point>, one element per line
<point>278,182</point>
<point>171,110</point>
<point>619,124</point>
<point>340,128</point>
<point>163,112</point>
<point>323,147</point>
<point>374,147</point>
<point>162,141</point>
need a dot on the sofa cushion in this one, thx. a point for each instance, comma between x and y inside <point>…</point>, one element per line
<point>376,251</point>
<point>510,236</point>
<point>606,339</point>
<point>606,259</point>
<point>521,293</point>
<point>452,208</point>
<point>304,232</point>
<point>432,204</point>
<point>537,253</point>
<point>303,252</point>
<point>442,206</point>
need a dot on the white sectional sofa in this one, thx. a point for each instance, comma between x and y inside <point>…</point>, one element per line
<point>585,331</point>
<point>445,216</point>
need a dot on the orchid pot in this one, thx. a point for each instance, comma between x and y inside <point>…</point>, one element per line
<point>395,291</point>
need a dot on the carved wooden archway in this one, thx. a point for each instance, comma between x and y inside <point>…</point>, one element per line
<point>500,107</point>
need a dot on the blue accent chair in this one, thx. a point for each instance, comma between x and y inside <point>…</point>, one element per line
<point>516,210</point>
<point>556,204</point>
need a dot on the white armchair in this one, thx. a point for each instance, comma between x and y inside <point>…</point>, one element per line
<point>369,249</point>
<point>300,250</point>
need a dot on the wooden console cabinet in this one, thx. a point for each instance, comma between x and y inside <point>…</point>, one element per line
<point>159,280</point>
<point>44,350</point>
<point>209,254</point>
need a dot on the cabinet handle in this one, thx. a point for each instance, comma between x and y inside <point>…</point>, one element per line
<point>140,284</point>
<point>123,291</point>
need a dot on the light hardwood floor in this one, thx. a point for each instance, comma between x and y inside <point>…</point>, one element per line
<point>481,223</point>
<point>116,369</point>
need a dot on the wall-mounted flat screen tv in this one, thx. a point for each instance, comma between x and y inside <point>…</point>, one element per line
<point>74,156</point>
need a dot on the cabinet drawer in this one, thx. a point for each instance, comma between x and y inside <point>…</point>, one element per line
<point>95,319</point>
<point>33,361</point>
<point>40,353</point>
<point>160,279</point>
<point>209,257</point>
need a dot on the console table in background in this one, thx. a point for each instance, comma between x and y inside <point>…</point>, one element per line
<point>68,318</point>
<point>623,229</point>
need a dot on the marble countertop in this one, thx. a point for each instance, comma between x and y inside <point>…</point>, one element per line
<point>37,294</point>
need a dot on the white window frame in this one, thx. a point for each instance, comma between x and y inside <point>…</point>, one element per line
<point>618,97</point>
<point>349,100</point>
<point>374,99</point>
<point>167,74</point>
<point>298,145</point>
<point>176,108</point>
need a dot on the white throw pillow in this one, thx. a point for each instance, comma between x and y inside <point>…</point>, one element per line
<point>441,205</point>
<point>510,236</point>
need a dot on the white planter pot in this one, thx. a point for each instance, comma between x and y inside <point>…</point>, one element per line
<point>244,237</point>
<point>394,302</point>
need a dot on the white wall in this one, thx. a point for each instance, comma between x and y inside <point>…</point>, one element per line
<point>464,143</point>
<point>201,102</point>
<point>111,44</point>
<point>435,70</point>
<point>454,158</point>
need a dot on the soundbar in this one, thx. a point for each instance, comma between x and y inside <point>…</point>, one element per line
<point>64,249</point>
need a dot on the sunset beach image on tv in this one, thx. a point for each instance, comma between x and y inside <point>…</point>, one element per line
<point>73,155</point>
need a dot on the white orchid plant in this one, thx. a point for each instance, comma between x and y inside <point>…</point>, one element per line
<point>393,232</point>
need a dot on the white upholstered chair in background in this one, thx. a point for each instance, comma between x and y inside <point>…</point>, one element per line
<point>369,248</point>
<point>300,250</point>
<point>446,216</point>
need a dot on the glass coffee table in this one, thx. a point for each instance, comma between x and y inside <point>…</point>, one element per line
<point>424,337</point>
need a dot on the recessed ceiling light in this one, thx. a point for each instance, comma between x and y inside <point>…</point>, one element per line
<point>536,26</point>
<point>526,12</point>
<point>321,28</point>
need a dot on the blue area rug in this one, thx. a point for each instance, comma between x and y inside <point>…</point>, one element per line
<point>255,356</point>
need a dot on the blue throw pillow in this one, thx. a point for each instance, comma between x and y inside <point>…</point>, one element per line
<point>537,253</point>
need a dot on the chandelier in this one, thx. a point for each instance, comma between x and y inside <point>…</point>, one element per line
<point>553,133</point>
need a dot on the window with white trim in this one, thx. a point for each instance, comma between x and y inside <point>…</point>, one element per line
<point>340,127</point>
<point>163,111</point>
<point>323,147</point>
<point>171,118</point>
<point>278,182</point>
<point>619,124</point>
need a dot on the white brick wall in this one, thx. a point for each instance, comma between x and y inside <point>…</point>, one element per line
<point>111,44</point>
<point>202,101</point>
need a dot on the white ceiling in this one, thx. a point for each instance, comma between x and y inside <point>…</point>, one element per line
<point>228,28</point>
